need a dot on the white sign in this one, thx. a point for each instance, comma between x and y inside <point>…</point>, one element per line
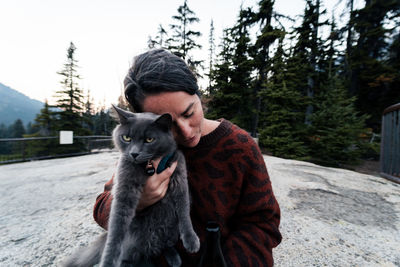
<point>66,137</point>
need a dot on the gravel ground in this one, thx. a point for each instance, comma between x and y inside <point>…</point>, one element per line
<point>330,217</point>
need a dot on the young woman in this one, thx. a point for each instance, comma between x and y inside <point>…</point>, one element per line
<point>228,179</point>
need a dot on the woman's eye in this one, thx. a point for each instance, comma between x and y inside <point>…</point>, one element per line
<point>149,139</point>
<point>126,138</point>
<point>188,115</point>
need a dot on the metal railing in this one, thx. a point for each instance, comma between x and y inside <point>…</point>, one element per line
<point>35,148</point>
<point>390,143</point>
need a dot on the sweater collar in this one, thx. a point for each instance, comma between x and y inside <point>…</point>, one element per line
<point>213,137</point>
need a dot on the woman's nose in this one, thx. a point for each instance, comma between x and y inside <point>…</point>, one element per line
<point>183,128</point>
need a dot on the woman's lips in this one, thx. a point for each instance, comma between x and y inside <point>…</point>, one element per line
<point>190,139</point>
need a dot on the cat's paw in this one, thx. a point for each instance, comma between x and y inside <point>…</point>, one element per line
<point>191,242</point>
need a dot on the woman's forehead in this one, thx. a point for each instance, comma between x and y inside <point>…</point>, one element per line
<point>174,103</point>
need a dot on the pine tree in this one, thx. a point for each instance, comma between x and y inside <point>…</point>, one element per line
<point>233,95</point>
<point>211,50</point>
<point>87,116</point>
<point>336,126</point>
<point>17,129</point>
<point>261,50</point>
<point>393,62</point>
<point>313,20</point>
<point>371,76</point>
<point>28,128</point>
<point>103,122</point>
<point>45,123</point>
<point>70,98</point>
<point>217,104</point>
<point>5,147</point>
<point>160,41</point>
<point>243,67</point>
<point>301,75</point>
<point>306,55</point>
<point>349,44</point>
<point>31,128</point>
<point>3,131</point>
<point>292,89</point>
<point>183,39</point>
<point>281,118</point>
<point>222,69</point>
<point>151,43</point>
<point>70,102</point>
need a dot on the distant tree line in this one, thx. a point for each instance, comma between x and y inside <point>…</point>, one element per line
<point>315,91</point>
<point>73,111</point>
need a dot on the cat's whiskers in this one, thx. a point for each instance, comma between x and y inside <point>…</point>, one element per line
<point>144,158</point>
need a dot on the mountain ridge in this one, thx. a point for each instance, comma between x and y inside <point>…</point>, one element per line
<point>15,105</point>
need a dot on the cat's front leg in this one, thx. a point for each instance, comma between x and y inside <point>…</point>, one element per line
<point>189,238</point>
<point>123,209</point>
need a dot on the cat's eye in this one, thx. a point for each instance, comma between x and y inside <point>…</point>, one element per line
<point>149,139</point>
<point>126,138</point>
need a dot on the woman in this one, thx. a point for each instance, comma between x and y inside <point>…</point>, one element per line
<point>227,175</point>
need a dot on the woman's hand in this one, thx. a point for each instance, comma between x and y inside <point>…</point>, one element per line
<point>156,186</point>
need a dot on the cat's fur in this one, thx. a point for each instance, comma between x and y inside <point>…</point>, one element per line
<point>156,230</point>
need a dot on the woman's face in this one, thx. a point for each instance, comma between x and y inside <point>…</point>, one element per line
<point>186,111</point>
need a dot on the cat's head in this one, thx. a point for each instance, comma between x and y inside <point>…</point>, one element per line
<point>143,136</point>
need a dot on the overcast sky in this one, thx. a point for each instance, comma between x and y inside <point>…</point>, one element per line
<point>35,35</point>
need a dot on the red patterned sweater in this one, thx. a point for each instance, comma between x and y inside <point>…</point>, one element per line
<point>229,183</point>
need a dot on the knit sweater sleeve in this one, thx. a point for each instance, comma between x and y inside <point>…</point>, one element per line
<point>102,206</point>
<point>257,216</point>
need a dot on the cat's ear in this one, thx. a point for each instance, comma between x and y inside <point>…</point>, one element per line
<point>165,121</point>
<point>122,115</point>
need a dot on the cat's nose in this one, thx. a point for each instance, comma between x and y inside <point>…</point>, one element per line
<point>134,155</point>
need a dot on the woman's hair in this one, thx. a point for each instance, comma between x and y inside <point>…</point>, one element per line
<point>154,72</point>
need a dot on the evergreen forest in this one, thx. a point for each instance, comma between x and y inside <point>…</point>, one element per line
<point>314,90</point>
<point>310,88</point>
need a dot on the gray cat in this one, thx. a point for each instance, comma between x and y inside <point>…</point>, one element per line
<point>140,138</point>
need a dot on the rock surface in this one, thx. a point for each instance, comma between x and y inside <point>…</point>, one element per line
<point>330,217</point>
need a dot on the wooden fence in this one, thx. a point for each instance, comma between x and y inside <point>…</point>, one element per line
<point>390,143</point>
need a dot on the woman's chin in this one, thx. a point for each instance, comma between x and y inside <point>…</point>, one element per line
<point>191,142</point>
